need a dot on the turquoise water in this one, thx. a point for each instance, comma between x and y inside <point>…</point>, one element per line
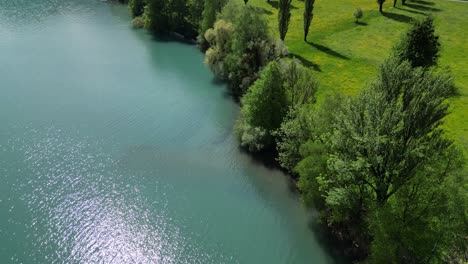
<point>117,148</point>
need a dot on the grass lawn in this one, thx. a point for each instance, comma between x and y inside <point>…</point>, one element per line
<point>346,55</point>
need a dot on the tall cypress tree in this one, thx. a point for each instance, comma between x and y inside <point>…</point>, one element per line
<point>284,16</point>
<point>308,15</point>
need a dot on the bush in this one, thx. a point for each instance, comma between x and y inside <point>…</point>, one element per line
<point>138,22</point>
<point>358,14</point>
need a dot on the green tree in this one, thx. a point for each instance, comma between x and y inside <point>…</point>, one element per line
<point>246,51</point>
<point>420,224</point>
<point>421,45</point>
<point>136,7</point>
<point>156,16</point>
<point>389,133</point>
<point>308,16</point>
<point>211,8</point>
<point>307,148</point>
<point>263,107</point>
<point>284,16</point>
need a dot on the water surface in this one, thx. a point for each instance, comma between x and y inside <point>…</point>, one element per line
<point>116,148</point>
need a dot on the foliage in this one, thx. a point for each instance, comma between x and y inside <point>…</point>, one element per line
<point>244,46</point>
<point>284,16</point>
<point>136,7</point>
<point>358,14</point>
<point>421,45</point>
<point>263,107</point>
<point>314,147</point>
<point>420,224</point>
<point>299,82</point>
<point>211,8</point>
<point>308,16</point>
<point>138,22</point>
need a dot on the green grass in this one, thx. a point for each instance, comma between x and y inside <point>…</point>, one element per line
<point>346,55</point>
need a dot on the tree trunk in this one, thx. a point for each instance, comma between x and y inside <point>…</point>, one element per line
<point>394,3</point>
<point>380,7</point>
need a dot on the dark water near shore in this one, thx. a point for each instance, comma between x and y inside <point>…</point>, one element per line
<point>116,148</point>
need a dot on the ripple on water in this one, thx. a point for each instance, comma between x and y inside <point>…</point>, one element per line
<point>84,210</point>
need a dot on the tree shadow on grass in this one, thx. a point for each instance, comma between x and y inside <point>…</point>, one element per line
<point>422,2</point>
<point>423,8</point>
<point>328,51</point>
<point>307,62</point>
<point>411,11</point>
<point>398,17</point>
<point>262,10</point>
<point>361,23</point>
<point>275,4</point>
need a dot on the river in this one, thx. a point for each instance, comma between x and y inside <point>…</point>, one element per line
<point>118,148</point>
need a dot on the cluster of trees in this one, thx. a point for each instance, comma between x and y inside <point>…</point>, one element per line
<point>378,166</point>
<point>241,44</point>
<point>189,18</point>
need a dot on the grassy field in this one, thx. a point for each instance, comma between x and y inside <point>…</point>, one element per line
<point>346,55</point>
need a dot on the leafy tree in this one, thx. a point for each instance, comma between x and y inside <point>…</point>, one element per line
<point>421,45</point>
<point>310,153</point>
<point>299,82</point>
<point>308,16</point>
<point>156,16</point>
<point>195,11</point>
<point>248,49</point>
<point>387,135</point>
<point>284,16</point>
<point>358,14</point>
<point>211,8</point>
<point>263,108</point>
<point>418,225</point>
<point>136,7</point>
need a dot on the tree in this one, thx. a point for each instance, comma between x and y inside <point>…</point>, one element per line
<point>263,109</point>
<point>391,132</point>
<point>195,11</point>
<point>249,48</point>
<point>156,16</point>
<point>358,14</point>
<point>284,16</point>
<point>421,45</point>
<point>308,16</point>
<point>211,8</point>
<point>380,2</point>
<point>136,7</point>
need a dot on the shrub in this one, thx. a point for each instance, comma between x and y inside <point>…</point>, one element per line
<point>358,14</point>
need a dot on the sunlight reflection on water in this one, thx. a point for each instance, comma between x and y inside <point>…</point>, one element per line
<point>90,210</point>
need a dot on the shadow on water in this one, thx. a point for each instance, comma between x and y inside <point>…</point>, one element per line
<point>398,17</point>
<point>423,8</point>
<point>172,37</point>
<point>334,248</point>
<point>328,51</point>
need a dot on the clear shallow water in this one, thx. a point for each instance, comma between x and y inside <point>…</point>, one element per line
<point>115,148</point>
